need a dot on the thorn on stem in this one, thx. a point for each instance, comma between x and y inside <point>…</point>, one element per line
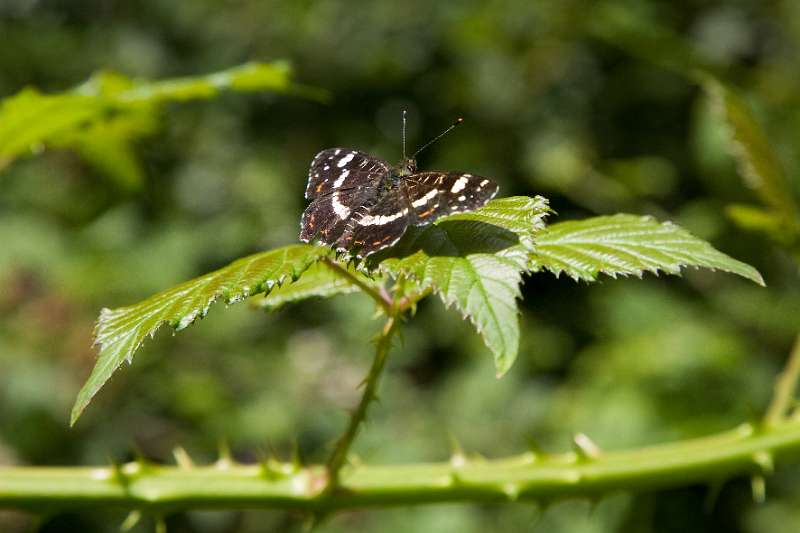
<point>130,521</point>
<point>297,460</point>
<point>161,525</point>
<point>225,460</point>
<point>511,490</point>
<point>182,458</point>
<point>764,461</point>
<point>269,467</point>
<point>585,447</point>
<point>457,456</point>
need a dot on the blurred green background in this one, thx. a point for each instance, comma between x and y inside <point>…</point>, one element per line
<point>586,103</point>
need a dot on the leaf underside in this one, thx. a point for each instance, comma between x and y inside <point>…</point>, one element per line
<point>120,332</point>
<point>628,245</point>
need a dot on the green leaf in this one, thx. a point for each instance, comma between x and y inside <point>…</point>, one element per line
<point>30,120</point>
<point>475,261</point>
<point>758,163</point>
<point>628,244</point>
<point>120,332</point>
<point>319,280</point>
<point>274,76</point>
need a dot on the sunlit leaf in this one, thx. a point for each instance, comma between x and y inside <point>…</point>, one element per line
<point>628,245</point>
<point>31,118</point>
<point>120,332</point>
<point>475,262</point>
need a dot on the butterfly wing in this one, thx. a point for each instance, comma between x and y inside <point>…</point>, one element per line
<point>376,224</point>
<point>327,215</point>
<point>436,194</point>
<point>342,168</point>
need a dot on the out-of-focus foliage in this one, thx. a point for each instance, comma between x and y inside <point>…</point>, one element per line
<point>587,103</point>
<point>103,116</point>
<point>760,168</point>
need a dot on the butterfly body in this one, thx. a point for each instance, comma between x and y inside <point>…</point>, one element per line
<point>361,204</point>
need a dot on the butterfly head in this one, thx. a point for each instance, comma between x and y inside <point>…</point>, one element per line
<point>407,166</point>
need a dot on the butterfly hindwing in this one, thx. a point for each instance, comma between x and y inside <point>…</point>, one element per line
<point>436,194</point>
<point>342,168</point>
<point>376,225</point>
<point>327,214</point>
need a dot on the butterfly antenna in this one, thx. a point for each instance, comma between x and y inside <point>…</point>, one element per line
<point>458,121</point>
<point>404,134</point>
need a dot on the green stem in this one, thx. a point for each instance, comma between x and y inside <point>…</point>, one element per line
<point>380,296</point>
<point>529,477</point>
<point>339,456</point>
<point>785,388</point>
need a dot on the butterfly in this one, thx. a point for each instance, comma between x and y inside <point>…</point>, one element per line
<point>361,204</point>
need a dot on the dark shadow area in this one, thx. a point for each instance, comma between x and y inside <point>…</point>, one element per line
<point>451,238</point>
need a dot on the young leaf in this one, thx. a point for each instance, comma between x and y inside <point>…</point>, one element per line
<point>758,163</point>
<point>319,280</point>
<point>120,332</point>
<point>248,77</point>
<point>627,244</point>
<point>475,262</point>
<point>31,119</point>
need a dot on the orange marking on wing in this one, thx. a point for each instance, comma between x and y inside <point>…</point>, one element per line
<point>319,187</point>
<point>381,241</point>
<point>426,213</point>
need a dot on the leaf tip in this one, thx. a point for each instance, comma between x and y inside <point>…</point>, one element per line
<point>76,412</point>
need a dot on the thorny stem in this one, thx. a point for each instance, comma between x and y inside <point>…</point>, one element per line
<point>785,388</point>
<point>395,308</point>
<point>532,477</point>
<point>339,455</point>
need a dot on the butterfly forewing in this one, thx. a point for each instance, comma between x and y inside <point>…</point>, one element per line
<point>341,168</point>
<point>436,194</point>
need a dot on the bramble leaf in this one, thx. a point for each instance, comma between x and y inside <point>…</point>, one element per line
<point>628,244</point>
<point>475,262</point>
<point>120,332</point>
<point>319,280</point>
